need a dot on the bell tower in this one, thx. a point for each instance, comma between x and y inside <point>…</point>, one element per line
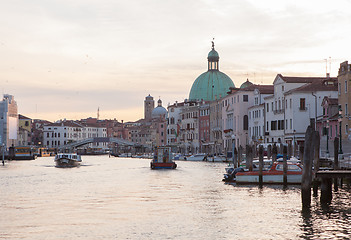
<point>149,105</point>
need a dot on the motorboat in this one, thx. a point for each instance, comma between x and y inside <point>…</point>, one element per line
<point>197,157</point>
<point>273,175</point>
<point>67,160</point>
<point>162,159</point>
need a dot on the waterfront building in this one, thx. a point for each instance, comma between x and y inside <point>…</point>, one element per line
<point>213,84</point>
<point>216,140</point>
<point>295,104</point>
<point>257,116</point>
<point>8,121</point>
<point>243,114</point>
<point>24,131</point>
<point>174,125</point>
<point>189,129</point>
<point>344,96</point>
<point>67,131</point>
<point>204,127</point>
<point>37,131</point>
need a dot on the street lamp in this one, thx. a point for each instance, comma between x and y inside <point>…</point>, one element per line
<point>340,120</point>
<point>327,138</point>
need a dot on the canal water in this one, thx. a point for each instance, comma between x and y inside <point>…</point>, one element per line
<point>122,198</point>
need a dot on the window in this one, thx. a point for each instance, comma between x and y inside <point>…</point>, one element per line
<point>273,125</point>
<point>345,86</point>
<point>290,123</point>
<point>245,98</point>
<point>302,104</point>
<point>346,111</point>
<point>48,135</point>
<point>290,103</point>
<point>346,129</point>
<point>283,88</point>
<point>267,108</point>
<point>339,89</point>
<point>26,124</point>
<point>267,126</point>
<point>246,122</point>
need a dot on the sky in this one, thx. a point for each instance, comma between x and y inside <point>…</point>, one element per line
<point>69,58</point>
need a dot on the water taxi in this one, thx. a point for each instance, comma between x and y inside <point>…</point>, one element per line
<point>67,160</point>
<point>273,175</point>
<point>162,159</point>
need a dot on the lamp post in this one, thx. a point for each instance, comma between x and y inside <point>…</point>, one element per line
<point>340,120</point>
<point>327,152</point>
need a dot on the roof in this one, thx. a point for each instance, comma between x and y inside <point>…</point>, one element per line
<point>264,89</point>
<point>23,117</point>
<point>316,85</point>
<point>303,79</point>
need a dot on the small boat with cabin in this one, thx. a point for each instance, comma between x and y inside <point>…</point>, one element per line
<point>273,175</point>
<point>67,160</point>
<point>162,159</point>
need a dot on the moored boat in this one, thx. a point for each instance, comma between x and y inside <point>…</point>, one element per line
<point>198,157</point>
<point>162,159</point>
<point>67,160</point>
<point>273,175</point>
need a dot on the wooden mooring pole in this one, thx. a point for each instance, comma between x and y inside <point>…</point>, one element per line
<point>260,158</point>
<point>285,166</point>
<point>274,153</point>
<point>307,169</point>
<point>316,146</point>
<point>269,151</point>
<point>249,157</point>
<point>336,162</point>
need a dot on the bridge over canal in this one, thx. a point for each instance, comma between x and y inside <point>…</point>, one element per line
<point>96,140</point>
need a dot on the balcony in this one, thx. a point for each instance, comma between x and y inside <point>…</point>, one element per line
<point>279,111</point>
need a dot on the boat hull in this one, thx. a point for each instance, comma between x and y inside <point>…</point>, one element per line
<point>249,177</point>
<point>64,162</point>
<point>157,165</point>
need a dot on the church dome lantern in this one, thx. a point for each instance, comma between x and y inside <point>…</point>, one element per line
<point>212,84</point>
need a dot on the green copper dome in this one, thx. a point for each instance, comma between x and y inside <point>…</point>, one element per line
<point>246,84</point>
<point>212,84</point>
<point>213,55</point>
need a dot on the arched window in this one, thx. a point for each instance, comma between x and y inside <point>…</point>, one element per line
<point>246,122</point>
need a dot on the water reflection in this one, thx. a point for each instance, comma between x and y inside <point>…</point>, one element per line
<point>330,221</point>
<point>123,198</point>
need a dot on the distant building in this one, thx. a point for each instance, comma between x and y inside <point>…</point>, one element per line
<point>149,105</point>
<point>8,121</point>
<point>37,131</point>
<point>344,96</point>
<point>24,131</point>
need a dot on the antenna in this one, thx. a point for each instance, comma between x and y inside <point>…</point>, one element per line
<point>330,65</point>
<point>98,113</point>
<point>326,66</point>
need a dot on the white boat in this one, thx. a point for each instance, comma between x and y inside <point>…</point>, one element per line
<point>273,175</point>
<point>67,160</point>
<point>217,158</point>
<point>197,157</point>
